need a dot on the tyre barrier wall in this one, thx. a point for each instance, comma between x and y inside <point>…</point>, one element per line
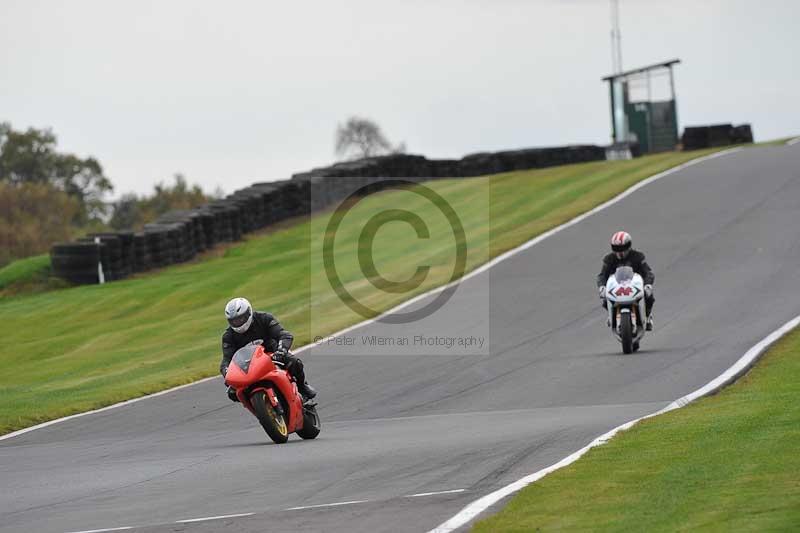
<point>178,236</point>
<point>697,137</point>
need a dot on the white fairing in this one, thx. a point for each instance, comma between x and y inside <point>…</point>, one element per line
<point>625,294</point>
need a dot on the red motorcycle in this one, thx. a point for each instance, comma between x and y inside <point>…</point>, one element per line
<point>270,393</point>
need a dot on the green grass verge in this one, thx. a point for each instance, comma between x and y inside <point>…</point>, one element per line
<point>28,276</point>
<point>728,462</point>
<point>76,349</point>
<point>774,142</point>
<point>24,269</point>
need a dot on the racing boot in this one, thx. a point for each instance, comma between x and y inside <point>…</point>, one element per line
<point>297,369</point>
<point>306,391</point>
<point>648,308</point>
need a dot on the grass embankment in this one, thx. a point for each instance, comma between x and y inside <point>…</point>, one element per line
<point>729,462</point>
<point>28,276</point>
<point>76,349</point>
<point>775,142</point>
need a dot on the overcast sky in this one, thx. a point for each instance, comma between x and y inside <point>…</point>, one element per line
<point>233,92</point>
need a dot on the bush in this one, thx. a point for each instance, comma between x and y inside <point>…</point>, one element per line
<point>32,217</point>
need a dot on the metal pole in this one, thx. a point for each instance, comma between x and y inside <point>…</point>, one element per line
<point>649,107</point>
<point>675,130</point>
<point>614,139</point>
<point>616,38</point>
<point>101,278</point>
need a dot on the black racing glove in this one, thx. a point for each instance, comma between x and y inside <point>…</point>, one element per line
<point>232,394</point>
<point>281,355</point>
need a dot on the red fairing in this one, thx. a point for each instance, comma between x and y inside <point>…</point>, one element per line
<point>268,376</point>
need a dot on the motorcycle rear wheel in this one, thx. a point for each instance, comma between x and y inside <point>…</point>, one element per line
<point>311,424</point>
<point>626,333</point>
<point>272,422</point>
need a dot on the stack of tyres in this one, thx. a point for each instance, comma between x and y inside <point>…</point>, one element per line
<point>158,245</point>
<point>697,137</point>
<point>242,215</point>
<point>186,232</point>
<point>249,208</point>
<point>190,227</point>
<point>295,203</point>
<point>742,134</point>
<point>413,166</point>
<point>141,255</point>
<point>124,266</point>
<point>199,233</point>
<point>303,191</point>
<point>253,199</point>
<point>225,214</point>
<point>258,197</point>
<point>128,262</point>
<point>323,191</point>
<point>222,223</point>
<point>720,135</point>
<point>274,208</point>
<point>182,236</point>
<point>209,221</point>
<point>174,243</point>
<point>110,255</point>
<point>76,262</point>
<point>169,250</point>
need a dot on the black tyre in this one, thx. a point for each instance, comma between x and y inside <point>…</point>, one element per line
<point>311,423</point>
<point>75,248</point>
<point>75,261</point>
<point>626,332</point>
<point>272,422</point>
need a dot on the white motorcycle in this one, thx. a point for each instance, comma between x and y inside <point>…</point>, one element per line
<point>626,309</point>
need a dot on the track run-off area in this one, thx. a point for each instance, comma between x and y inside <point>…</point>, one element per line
<point>410,440</point>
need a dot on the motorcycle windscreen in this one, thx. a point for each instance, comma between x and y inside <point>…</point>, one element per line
<point>244,356</point>
<point>623,274</point>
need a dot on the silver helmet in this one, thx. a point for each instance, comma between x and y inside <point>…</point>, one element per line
<point>239,313</point>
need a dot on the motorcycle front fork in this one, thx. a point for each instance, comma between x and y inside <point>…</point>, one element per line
<point>614,317</point>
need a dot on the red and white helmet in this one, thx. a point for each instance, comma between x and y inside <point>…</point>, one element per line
<point>621,243</point>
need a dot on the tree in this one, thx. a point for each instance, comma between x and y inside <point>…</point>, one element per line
<point>126,213</point>
<point>362,137</point>
<point>32,218</point>
<point>31,157</point>
<point>133,212</point>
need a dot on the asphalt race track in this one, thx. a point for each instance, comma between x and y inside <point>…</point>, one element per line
<point>723,237</point>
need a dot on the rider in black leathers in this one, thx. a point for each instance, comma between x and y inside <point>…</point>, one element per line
<point>246,326</point>
<point>624,255</point>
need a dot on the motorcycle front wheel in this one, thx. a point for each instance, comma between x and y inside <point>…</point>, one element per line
<point>311,424</point>
<point>271,420</point>
<point>626,333</point>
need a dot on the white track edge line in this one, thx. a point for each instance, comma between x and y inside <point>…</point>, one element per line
<point>436,493</point>
<point>106,529</point>
<point>321,505</point>
<point>730,375</point>
<point>220,517</point>
<point>100,410</point>
<point>792,142</point>
<point>483,268</point>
